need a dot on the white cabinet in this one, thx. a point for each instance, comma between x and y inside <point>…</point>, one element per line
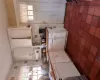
<point>21,43</point>
<point>65,70</point>
<point>27,53</point>
<point>23,53</point>
<point>56,39</point>
<point>58,43</point>
<point>19,32</point>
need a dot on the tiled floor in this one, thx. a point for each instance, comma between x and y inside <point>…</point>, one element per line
<point>30,70</point>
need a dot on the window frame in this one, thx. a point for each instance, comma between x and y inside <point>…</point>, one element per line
<point>19,13</point>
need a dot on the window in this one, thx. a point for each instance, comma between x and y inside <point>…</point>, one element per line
<point>26,13</point>
<point>30,12</point>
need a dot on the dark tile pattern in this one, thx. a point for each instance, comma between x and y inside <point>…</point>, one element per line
<point>82,20</point>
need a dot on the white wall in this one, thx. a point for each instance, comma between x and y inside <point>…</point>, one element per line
<point>47,11</point>
<point>5,52</point>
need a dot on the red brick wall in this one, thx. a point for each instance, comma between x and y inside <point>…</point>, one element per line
<point>83,23</point>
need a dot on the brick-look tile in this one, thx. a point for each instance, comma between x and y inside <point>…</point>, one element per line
<point>85,10</point>
<point>79,57</point>
<point>91,57</point>
<point>91,10</point>
<point>95,70</point>
<point>85,52</point>
<point>87,45</point>
<point>81,48</point>
<point>96,42</point>
<point>87,67</point>
<point>97,11</point>
<point>83,61</point>
<point>86,27</point>
<point>82,25</point>
<point>95,21</point>
<point>77,9</point>
<point>81,9</point>
<point>89,19</point>
<point>89,38</point>
<point>92,30</point>
<point>97,33</point>
<point>98,76</point>
<point>87,2</point>
<point>81,32</point>
<point>84,16</point>
<point>93,50</point>
<point>98,53</point>
<point>93,73</point>
<point>97,63</point>
<point>82,41</point>
<point>98,26</point>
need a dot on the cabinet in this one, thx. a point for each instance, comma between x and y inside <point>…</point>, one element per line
<point>56,39</point>
<point>23,53</point>
<point>21,43</point>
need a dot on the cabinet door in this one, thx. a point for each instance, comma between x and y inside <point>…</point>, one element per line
<point>50,42</point>
<point>59,35</point>
<point>50,35</point>
<point>23,53</point>
<point>58,44</point>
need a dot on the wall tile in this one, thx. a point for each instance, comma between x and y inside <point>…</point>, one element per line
<point>97,11</point>
<point>95,69</point>
<point>81,48</point>
<point>98,76</point>
<point>93,73</point>
<point>89,19</point>
<point>85,52</point>
<point>97,62</point>
<point>85,10</point>
<point>89,38</point>
<point>87,45</point>
<point>87,67</point>
<point>98,52</point>
<point>95,21</point>
<point>83,61</point>
<point>81,32</point>
<point>86,27</point>
<point>93,50</point>
<point>81,9</point>
<point>98,26</point>
<point>92,30</point>
<point>96,42</point>
<point>97,33</point>
<point>82,41</point>
<point>91,57</point>
<point>91,10</point>
<point>84,16</point>
<point>79,58</point>
<point>84,37</point>
<point>82,25</point>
